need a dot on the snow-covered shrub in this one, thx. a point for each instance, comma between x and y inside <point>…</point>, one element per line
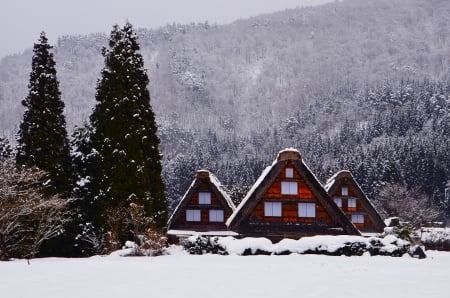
<point>198,245</point>
<point>436,238</point>
<point>152,243</point>
<point>323,245</point>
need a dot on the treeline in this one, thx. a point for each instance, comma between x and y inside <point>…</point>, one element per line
<point>398,133</point>
<point>88,196</point>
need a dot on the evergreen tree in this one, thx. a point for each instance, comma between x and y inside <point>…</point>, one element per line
<point>42,138</point>
<point>5,149</point>
<point>124,163</point>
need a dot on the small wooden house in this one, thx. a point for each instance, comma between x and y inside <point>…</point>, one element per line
<point>288,201</point>
<point>203,210</point>
<point>350,198</point>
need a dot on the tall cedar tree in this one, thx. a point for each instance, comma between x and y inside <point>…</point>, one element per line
<point>42,138</point>
<point>124,166</point>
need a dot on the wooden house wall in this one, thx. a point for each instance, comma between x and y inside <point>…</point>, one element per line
<point>368,224</point>
<point>289,224</point>
<point>204,225</point>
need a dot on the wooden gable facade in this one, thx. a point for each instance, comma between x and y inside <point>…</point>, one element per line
<point>203,210</point>
<point>288,201</point>
<point>349,197</point>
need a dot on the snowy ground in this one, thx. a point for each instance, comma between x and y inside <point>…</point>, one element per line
<point>181,275</point>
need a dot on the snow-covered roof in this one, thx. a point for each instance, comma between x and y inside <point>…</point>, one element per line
<point>214,181</point>
<point>180,202</point>
<point>333,178</point>
<point>369,206</point>
<point>288,154</point>
<point>249,194</point>
<point>291,152</point>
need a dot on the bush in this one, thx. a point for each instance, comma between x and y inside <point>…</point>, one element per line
<point>321,245</point>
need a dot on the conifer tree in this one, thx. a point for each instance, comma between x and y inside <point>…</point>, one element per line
<point>124,163</point>
<point>42,138</point>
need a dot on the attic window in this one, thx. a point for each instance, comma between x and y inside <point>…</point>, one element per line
<point>289,188</point>
<point>216,215</point>
<point>351,203</point>
<point>357,218</point>
<point>272,209</point>
<point>306,210</point>
<point>344,190</point>
<point>289,173</point>
<point>204,198</point>
<point>338,202</point>
<point>193,215</point>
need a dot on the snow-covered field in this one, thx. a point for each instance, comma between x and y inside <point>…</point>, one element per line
<point>182,275</point>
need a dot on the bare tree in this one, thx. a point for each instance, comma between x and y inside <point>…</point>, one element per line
<point>28,216</point>
<point>409,204</point>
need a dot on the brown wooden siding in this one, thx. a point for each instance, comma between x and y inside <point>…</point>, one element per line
<point>204,225</point>
<point>290,202</point>
<point>368,223</point>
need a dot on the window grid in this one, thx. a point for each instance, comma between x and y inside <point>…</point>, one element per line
<point>338,202</point>
<point>289,173</point>
<point>272,209</point>
<point>307,210</point>
<point>357,218</point>
<point>289,188</point>
<point>351,203</point>
<point>193,215</point>
<point>344,190</point>
<point>204,198</point>
<point>216,216</point>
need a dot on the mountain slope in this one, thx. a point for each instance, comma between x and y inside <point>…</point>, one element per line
<point>253,73</point>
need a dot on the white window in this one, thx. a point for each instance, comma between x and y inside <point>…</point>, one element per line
<point>289,188</point>
<point>204,198</point>
<point>289,173</point>
<point>357,218</point>
<point>193,215</point>
<point>338,202</point>
<point>306,210</point>
<point>272,209</point>
<point>344,190</point>
<point>216,215</point>
<point>351,203</point>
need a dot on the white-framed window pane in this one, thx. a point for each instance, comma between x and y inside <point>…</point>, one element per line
<point>351,203</point>
<point>289,173</point>
<point>289,188</point>
<point>306,210</point>
<point>357,218</point>
<point>272,209</point>
<point>204,198</point>
<point>193,215</point>
<point>338,202</point>
<point>344,190</point>
<point>216,215</point>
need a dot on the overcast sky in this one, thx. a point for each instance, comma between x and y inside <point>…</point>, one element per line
<point>22,20</point>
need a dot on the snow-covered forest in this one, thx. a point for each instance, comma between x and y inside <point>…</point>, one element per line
<point>361,85</point>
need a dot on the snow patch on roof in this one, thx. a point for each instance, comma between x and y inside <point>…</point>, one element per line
<point>222,190</point>
<point>250,193</point>
<point>261,179</point>
<point>330,182</point>
<point>289,149</point>
<point>180,202</point>
<point>213,180</point>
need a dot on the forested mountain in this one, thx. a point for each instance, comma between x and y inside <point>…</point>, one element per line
<point>354,84</point>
